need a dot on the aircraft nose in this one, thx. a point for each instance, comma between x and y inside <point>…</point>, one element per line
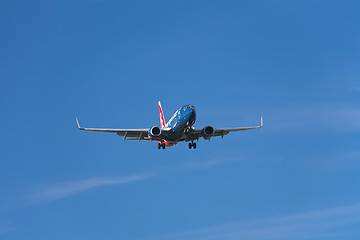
<point>188,113</point>
<point>192,117</point>
<point>191,112</point>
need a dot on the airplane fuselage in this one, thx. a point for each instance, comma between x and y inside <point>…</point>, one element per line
<point>183,119</point>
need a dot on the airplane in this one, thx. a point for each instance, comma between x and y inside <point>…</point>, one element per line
<point>178,129</point>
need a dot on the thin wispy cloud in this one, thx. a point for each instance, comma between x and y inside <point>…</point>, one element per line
<point>63,190</point>
<point>353,88</point>
<point>347,160</point>
<point>317,118</point>
<point>66,189</point>
<point>305,118</point>
<point>4,230</point>
<point>319,224</point>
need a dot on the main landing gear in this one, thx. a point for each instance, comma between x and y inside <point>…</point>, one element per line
<point>161,145</point>
<point>192,145</point>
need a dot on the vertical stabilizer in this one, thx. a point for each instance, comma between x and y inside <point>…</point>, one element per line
<point>162,118</point>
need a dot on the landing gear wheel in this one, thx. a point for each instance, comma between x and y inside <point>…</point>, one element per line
<point>163,146</point>
<point>159,145</point>
<point>190,145</point>
<point>194,145</point>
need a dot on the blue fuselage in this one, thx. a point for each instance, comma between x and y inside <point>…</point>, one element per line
<point>183,118</point>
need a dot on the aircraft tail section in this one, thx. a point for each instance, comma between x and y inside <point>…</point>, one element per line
<point>162,119</point>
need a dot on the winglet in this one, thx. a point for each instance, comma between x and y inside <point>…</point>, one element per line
<point>77,121</point>
<point>261,121</point>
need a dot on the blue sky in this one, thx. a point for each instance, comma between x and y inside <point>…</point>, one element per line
<point>109,62</point>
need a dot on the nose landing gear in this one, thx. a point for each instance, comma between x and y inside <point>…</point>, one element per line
<point>161,145</point>
<point>192,145</point>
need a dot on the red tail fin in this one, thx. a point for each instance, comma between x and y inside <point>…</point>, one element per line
<point>162,119</point>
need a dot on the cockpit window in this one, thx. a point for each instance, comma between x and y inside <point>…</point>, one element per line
<point>188,106</point>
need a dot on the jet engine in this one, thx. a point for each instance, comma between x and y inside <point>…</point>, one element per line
<point>207,132</point>
<point>155,131</point>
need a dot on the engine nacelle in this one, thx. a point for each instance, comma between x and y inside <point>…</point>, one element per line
<point>155,131</point>
<point>207,132</point>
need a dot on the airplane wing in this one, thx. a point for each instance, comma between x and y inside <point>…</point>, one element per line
<point>197,133</point>
<point>128,134</point>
